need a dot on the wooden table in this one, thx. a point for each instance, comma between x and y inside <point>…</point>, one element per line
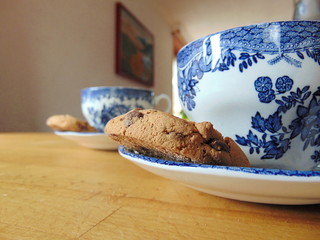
<point>52,188</point>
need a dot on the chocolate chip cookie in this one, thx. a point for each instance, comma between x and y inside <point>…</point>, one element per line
<point>69,123</point>
<point>162,135</point>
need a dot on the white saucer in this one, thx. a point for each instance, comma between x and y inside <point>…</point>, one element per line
<point>91,140</point>
<point>273,186</point>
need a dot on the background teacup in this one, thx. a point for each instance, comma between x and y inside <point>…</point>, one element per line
<point>100,104</point>
<point>260,85</point>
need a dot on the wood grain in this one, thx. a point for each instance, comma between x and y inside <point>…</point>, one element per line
<point>51,188</point>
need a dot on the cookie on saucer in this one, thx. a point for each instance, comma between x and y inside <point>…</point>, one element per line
<point>162,135</point>
<point>69,123</point>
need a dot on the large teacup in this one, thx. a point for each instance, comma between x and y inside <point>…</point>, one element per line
<point>260,85</point>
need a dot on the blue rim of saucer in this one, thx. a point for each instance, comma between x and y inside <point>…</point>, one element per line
<point>260,171</point>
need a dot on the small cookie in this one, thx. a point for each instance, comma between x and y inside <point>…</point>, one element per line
<point>162,135</point>
<point>69,123</point>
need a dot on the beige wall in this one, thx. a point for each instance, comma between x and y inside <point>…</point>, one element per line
<point>196,19</point>
<point>51,49</point>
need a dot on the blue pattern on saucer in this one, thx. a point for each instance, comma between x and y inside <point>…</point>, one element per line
<point>261,171</point>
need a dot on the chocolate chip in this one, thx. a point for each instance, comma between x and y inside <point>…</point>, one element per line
<point>134,113</point>
<point>219,146</point>
<point>131,117</point>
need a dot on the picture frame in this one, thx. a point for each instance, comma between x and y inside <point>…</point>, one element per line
<point>134,47</point>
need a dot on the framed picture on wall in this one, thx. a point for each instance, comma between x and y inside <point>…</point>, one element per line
<point>134,48</point>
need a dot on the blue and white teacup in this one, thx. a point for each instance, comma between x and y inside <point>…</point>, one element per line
<point>100,104</point>
<point>260,85</point>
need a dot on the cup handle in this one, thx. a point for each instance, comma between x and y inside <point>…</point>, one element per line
<point>158,98</point>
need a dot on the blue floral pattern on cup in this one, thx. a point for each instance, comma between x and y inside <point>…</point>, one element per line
<point>99,105</point>
<point>196,58</point>
<point>276,138</point>
<point>242,50</point>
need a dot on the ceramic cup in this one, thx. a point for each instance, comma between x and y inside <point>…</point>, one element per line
<point>260,85</point>
<point>100,104</point>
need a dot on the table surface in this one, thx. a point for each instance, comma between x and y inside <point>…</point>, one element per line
<point>52,188</point>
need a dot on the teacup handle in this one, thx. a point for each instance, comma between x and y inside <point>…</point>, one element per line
<point>164,96</point>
